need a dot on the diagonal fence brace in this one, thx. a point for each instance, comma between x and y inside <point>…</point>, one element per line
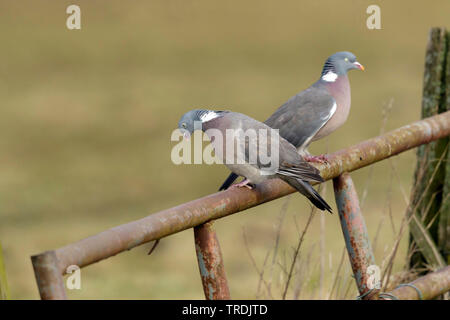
<point>356,236</point>
<point>210,263</point>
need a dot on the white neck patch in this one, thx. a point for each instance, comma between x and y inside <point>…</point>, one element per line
<point>208,116</point>
<point>330,76</point>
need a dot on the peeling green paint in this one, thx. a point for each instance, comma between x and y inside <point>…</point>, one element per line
<point>201,262</point>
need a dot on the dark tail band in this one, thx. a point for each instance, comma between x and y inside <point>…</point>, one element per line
<point>229,181</point>
<point>308,191</point>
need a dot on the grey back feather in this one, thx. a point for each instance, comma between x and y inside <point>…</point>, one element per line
<point>302,116</point>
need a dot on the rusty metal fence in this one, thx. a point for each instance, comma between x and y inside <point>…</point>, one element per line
<point>50,266</point>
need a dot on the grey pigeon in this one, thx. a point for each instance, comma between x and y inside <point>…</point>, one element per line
<point>290,167</point>
<point>317,111</point>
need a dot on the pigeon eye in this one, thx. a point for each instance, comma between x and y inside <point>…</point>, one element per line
<point>346,59</point>
<point>184,125</point>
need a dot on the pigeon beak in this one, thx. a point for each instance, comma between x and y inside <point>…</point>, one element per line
<point>359,65</point>
<point>186,135</point>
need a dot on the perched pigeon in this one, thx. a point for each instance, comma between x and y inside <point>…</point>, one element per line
<point>317,111</point>
<point>290,166</point>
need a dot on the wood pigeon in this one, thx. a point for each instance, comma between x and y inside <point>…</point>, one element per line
<point>289,165</point>
<point>317,111</point>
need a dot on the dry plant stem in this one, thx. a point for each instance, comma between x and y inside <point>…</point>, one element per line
<point>384,118</point>
<point>383,216</point>
<point>153,247</point>
<point>261,278</point>
<point>405,221</point>
<point>422,236</point>
<point>349,286</point>
<point>441,210</point>
<point>348,282</point>
<point>338,271</point>
<point>389,208</point>
<point>322,256</point>
<point>297,251</point>
<point>304,273</point>
<point>260,273</point>
<point>4,289</point>
<point>281,217</point>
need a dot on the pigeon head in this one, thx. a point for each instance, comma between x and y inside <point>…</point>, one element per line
<point>339,64</point>
<point>194,119</point>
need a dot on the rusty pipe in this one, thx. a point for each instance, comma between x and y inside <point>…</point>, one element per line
<point>355,235</point>
<point>210,263</point>
<point>424,288</point>
<point>48,276</point>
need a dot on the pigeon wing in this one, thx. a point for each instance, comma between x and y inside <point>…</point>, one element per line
<point>302,116</point>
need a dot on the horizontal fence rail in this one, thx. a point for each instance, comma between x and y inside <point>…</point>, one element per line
<point>221,204</point>
<point>424,288</point>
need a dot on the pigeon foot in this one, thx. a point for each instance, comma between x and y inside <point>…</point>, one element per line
<point>323,158</point>
<point>244,183</point>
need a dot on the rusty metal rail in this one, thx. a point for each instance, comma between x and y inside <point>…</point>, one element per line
<point>49,271</point>
<point>424,288</point>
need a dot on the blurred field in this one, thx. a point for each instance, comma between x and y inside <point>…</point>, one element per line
<point>86,118</point>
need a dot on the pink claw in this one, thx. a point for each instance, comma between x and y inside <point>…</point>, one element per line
<point>323,158</point>
<point>243,183</point>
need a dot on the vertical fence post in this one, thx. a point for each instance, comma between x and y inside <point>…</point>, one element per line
<point>4,290</point>
<point>444,215</point>
<point>210,263</point>
<point>429,202</point>
<point>355,235</point>
<point>48,276</point>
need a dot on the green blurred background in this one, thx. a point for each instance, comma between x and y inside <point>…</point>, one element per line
<point>86,118</point>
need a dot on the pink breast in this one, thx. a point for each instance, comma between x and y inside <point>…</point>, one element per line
<point>340,90</point>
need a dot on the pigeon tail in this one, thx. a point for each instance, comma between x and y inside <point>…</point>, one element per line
<point>302,171</point>
<point>308,191</point>
<point>229,181</point>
